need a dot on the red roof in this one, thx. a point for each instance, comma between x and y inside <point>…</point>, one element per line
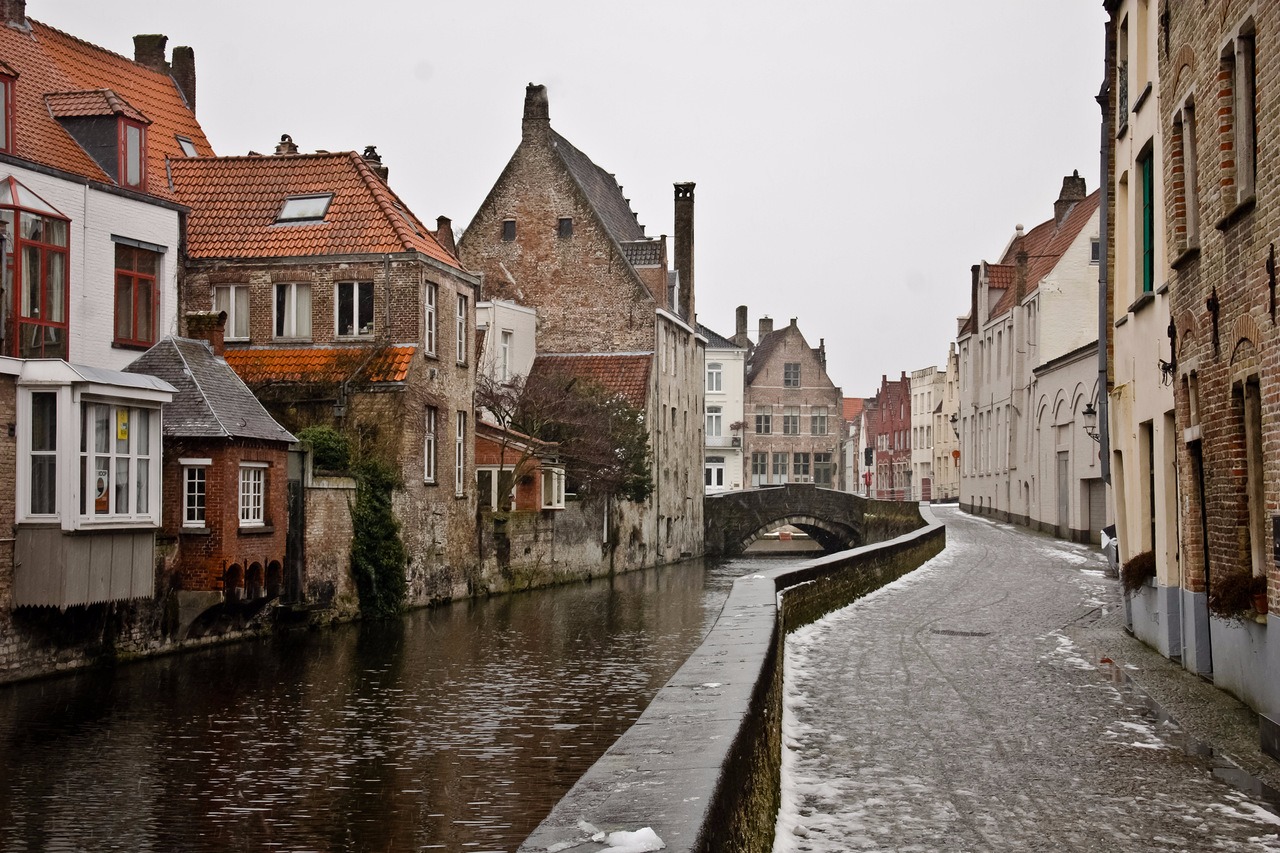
<point>235,202</point>
<point>260,366</point>
<point>624,373</point>
<point>82,79</point>
<point>853,408</point>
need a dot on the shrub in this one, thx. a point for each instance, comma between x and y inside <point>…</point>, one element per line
<point>1137,571</point>
<point>330,449</point>
<point>378,556</point>
<point>1231,595</point>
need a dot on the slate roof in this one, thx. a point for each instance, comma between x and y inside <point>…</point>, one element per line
<point>643,253</point>
<point>623,373</point>
<point>211,400</point>
<point>235,202</point>
<point>602,191</point>
<point>50,62</point>
<point>715,340</point>
<point>263,365</point>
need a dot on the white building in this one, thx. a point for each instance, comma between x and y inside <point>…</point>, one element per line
<point>946,426</point>
<point>927,386</point>
<point>509,332</point>
<point>725,466</point>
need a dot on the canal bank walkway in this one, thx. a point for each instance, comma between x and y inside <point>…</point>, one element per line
<point>992,701</point>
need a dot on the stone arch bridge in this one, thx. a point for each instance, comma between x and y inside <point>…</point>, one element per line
<point>835,520</point>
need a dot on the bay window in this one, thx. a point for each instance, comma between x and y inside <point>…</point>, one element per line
<point>38,257</point>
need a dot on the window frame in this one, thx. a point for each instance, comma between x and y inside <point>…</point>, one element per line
<point>462,328</point>
<point>508,230</point>
<point>791,374</point>
<point>138,280</point>
<point>187,145</point>
<point>460,456</point>
<point>819,417</point>
<point>802,468</point>
<point>7,118</point>
<point>136,460</point>
<point>233,292</point>
<point>430,424</point>
<point>1146,225</point>
<point>564,228</point>
<point>354,295</point>
<point>715,422</point>
<point>288,330</point>
<point>764,418</point>
<point>790,420</point>
<point>715,377</point>
<point>254,513</point>
<point>505,339</point>
<point>15,251</point>
<point>189,468</point>
<point>555,477</point>
<point>125,128</point>
<point>431,300</point>
<point>295,218</point>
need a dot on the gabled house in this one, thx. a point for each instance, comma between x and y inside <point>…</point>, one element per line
<point>557,234</point>
<point>1029,377</point>
<point>890,439</point>
<point>344,309</point>
<point>792,408</point>
<point>724,462</point>
<point>225,511</point>
<point>89,233</point>
<point>850,444</point>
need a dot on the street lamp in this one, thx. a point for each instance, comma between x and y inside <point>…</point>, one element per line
<point>1091,422</point>
<point>955,424</point>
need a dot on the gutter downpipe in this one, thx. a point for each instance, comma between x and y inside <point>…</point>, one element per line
<point>1104,235</point>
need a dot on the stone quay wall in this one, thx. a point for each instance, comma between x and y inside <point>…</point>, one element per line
<point>702,764</point>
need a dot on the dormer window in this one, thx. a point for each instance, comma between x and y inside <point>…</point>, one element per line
<point>305,208</point>
<point>6,113</point>
<point>188,147</point>
<point>133,154</point>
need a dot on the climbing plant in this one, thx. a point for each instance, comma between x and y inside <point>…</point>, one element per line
<point>378,555</point>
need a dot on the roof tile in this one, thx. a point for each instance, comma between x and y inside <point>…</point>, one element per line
<point>262,365</point>
<point>623,373</point>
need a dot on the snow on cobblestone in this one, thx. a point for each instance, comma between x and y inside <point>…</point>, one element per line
<point>951,710</point>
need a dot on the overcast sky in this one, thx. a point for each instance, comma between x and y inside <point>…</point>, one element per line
<point>853,159</point>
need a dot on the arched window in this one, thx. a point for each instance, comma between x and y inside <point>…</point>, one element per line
<point>35,254</point>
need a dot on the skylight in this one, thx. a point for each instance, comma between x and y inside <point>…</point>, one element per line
<point>304,208</point>
<point>188,147</point>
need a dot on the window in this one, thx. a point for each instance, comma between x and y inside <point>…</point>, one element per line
<point>462,330</point>
<point>115,461</point>
<point>1244,111</point>
<point>253,486</point>
<point>791,374</point>
<point>508,230</point>
<point>305,208</point>
<point>818,420</point>
<point>764,420</point>
<point>133,154</point>
<point>715,375</point>
<point>1255,488</point>
<point>487,480</point>
<point>791,420</point>
<point>1122,76</point>
<point>714,470</point>
<point>1186,203</point>
<point>459,454</point>
<point>553,488</point>
<point>800,467</point>
<point>6,113</point>
<point>194,491</point>
<point>714,422</point>
<point>43,454</point>
<point>1146,225</point>
<point>429,447</point>
<point>37,256</point>
<point>137,298</point>
<point>188,147</point>
<point>823,469</point>
<point>1095,250</point>
<point>355,308</point>
<point>233,299</point>
<point>759,468</point>
<point>504,356</point>
<point>780,467</point>
<point>293,310</point>
<point>565,227</point>
<point>429,332</point>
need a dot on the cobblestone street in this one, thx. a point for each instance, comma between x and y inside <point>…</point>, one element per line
<point>974,706</point>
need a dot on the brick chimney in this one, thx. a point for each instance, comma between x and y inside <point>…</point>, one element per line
<point>766,328</point>
<point>208,326</point>
<point>374,159</point>
<point>286,145</point>
<point>740,327</point>
<point>975,278</point>
<point>1020,276</point>
<point>148,51</point>
<point>537,111</point>
<point>444,235</point>
<point>183,70</point>
<point>14,13</point>
<point>1072,191</point>
<point>684,249</point>
<point>820,351</point>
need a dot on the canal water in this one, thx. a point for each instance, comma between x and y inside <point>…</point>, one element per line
<point>456,728</point>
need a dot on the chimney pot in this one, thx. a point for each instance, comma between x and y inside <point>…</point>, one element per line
<point>740,329</point>
<point>148,51</point>
<point>374,159</point>
<point>766,327</point>
<point>183,70</point>
<point>1073,190</point>
<point>286,145</point>
<point>14,12</point>
<point>537,109</point>
<point>444,235</point>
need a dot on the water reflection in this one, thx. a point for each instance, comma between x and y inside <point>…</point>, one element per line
<point>455,728</point>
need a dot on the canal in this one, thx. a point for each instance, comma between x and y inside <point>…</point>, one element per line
<point>456,728</point>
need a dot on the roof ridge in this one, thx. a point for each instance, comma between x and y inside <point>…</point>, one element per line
<point>186,366</point>
<point>99,48</point>
<point>389,202</point>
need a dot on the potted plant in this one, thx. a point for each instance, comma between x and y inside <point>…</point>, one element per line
<point>735,428</point>
<point>1238,594</point>
<point>1137,571</point>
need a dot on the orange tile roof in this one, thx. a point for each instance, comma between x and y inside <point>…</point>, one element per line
<point>91,102</point>
<point>624,373</point>
<point>853,408</point>
<point>261,365</point>
<point>234,203</point>
<point>50,62</point>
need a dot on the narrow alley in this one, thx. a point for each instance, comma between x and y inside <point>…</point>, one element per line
<point>975,705</point>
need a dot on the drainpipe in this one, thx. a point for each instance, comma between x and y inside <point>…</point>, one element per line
<point>1104,241</point>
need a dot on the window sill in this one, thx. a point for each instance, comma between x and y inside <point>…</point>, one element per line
<point>1124,129</point>
<point>1187,255</point>
<point>1142,302</point>
<point>1120,322</point>
<point>257,530</point>
<point>195,531</point>
<point>1235,214</point>
<point>354,339</point>
<point>286,340</point>
<point>1142,99</point>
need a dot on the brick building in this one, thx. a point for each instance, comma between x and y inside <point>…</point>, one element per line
<point>793,409</point>
<point>343,308</point>
<point>890,439</point>
<point>556,233</point>
<point>225,509</point>
<point>1219,116</point>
